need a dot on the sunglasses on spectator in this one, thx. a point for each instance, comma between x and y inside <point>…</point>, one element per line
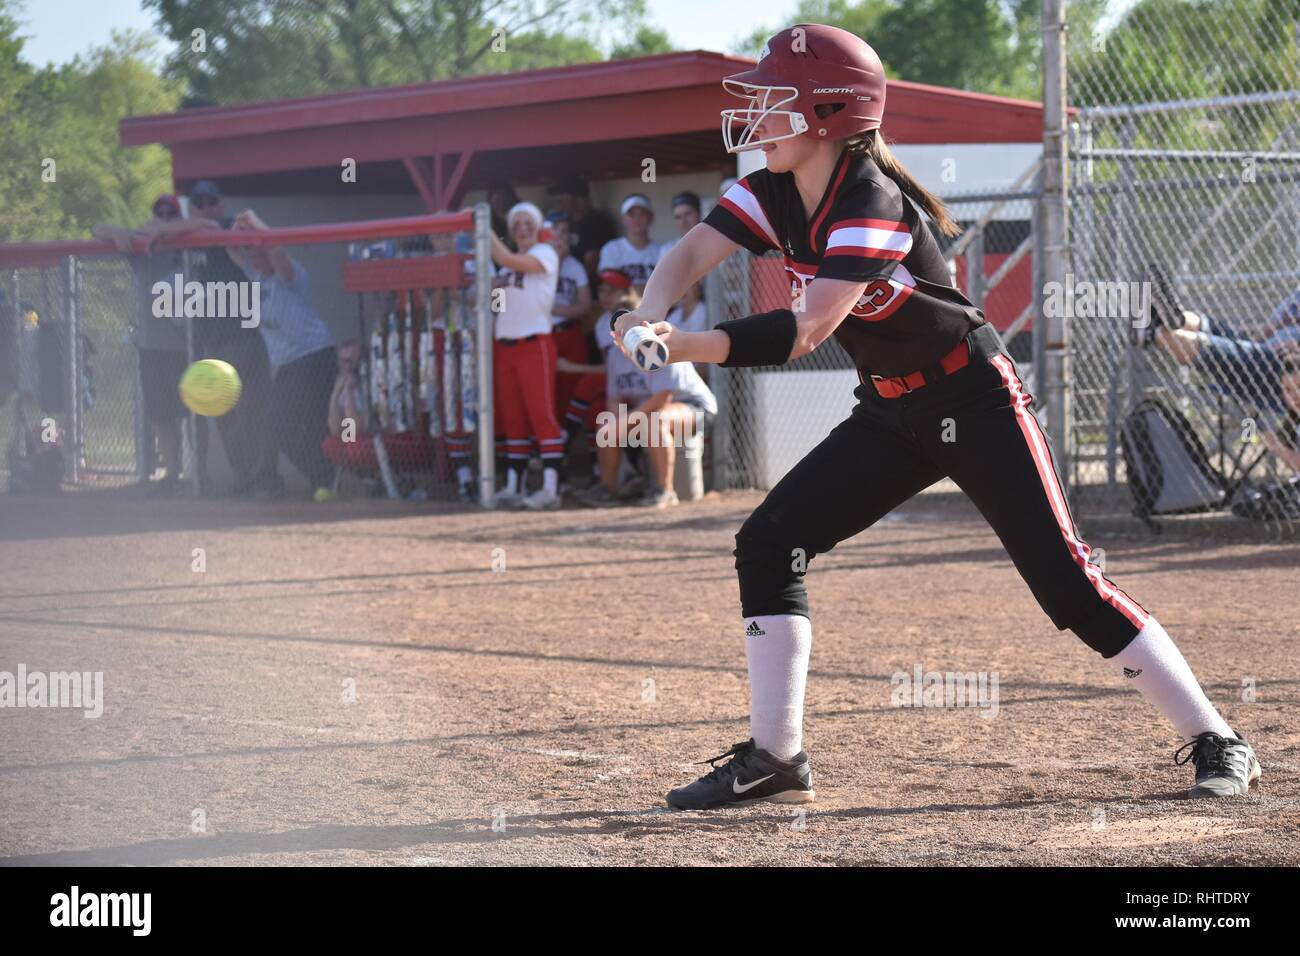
<point>204,202</point>
<point>165,212</point>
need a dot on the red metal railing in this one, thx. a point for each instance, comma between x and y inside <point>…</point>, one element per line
<point>49,254</point>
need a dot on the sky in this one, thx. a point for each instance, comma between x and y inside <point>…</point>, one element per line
<point>60,29</point>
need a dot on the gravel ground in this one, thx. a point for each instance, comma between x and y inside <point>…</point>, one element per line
<point>354,683</point>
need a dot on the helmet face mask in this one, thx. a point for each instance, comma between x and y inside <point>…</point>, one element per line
<point>764,102</point>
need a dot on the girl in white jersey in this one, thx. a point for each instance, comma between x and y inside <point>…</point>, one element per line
<point>523,380</point>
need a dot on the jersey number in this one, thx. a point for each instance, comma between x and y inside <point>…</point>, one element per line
<point>873,304</point>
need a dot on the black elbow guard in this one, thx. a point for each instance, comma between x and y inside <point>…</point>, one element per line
<point>764,339</point>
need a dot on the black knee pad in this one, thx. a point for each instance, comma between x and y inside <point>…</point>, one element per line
<point>770,568</point>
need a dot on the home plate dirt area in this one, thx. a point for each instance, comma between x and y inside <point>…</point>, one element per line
<point>378,683</point>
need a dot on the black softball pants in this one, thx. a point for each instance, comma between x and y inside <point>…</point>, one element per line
<point>974,426</point>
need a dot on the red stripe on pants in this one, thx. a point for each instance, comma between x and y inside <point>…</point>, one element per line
<point>1038,450</point>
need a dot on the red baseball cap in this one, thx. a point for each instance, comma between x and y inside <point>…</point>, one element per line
<point>615,277</point>
<point>168,200</point>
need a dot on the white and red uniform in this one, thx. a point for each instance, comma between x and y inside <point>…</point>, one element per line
<point>523,381</point>
<point>637,263</point>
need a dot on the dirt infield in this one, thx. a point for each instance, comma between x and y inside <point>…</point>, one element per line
<point>354,684</point>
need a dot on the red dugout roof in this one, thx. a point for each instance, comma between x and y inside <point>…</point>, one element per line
<point>599,120</point>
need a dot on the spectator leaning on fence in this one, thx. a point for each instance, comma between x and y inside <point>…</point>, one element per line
<point>246,428</point>
<point>523,375</point>
<point>633,252</point>
<point>161,341</point>
<point>301,350</point>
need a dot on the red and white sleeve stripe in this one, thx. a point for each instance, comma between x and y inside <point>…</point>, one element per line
<point>869,238</point>
<point>741,202</point>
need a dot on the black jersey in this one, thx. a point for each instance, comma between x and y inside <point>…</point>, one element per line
<point>863,230</point>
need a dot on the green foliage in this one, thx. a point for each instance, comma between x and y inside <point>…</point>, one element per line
<point>271,49</point>
<point>645,42</point>
<point>70,115</point>
<point>1207,48</point>
<point>101,181</point>
<point>989,46</point>
<point>28,207</point>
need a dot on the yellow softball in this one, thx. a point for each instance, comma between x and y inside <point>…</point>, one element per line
<point>210,387</point>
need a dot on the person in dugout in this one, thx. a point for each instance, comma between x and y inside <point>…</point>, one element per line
<point>570,313</point>
<point>523,382</point>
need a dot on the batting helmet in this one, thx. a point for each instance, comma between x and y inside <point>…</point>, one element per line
<point>828,82</point>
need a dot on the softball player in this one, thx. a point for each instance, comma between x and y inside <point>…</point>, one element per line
<point>523,359</point>
<point>939,396</point>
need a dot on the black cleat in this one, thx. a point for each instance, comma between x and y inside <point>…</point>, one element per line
<point>1225,767</point>
<point>750,776</point>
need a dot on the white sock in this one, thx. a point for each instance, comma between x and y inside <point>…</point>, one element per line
<point>512,482</point>
<point>777,647</point>
<point>551,480</point>
<point>1154,665</point>
<point>463,474</point>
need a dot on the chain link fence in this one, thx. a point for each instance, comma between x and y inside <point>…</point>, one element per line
<point>1184,200</point>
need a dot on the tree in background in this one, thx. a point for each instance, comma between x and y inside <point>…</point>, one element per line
<point>69,114</point>
<point>986,46</point>
<point>103,182</point>
<point>646,41</point>
<point>269,49</point>
<point>29,208</point>
<point>1206,48</point>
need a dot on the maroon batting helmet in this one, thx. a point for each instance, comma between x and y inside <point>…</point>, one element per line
<point>828,82</point>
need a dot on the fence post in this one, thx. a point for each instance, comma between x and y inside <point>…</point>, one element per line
<point>1056,371</point>
<point>73,431</point>
<point>483,309</point>
<point>975,278</point>
<point>1039,337</point>
<point>719,380</point>
<point>142,428</point>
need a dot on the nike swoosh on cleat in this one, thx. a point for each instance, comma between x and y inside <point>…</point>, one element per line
<point>737,787</point>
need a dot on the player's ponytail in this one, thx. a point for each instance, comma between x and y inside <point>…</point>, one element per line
<point>873,144</point>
